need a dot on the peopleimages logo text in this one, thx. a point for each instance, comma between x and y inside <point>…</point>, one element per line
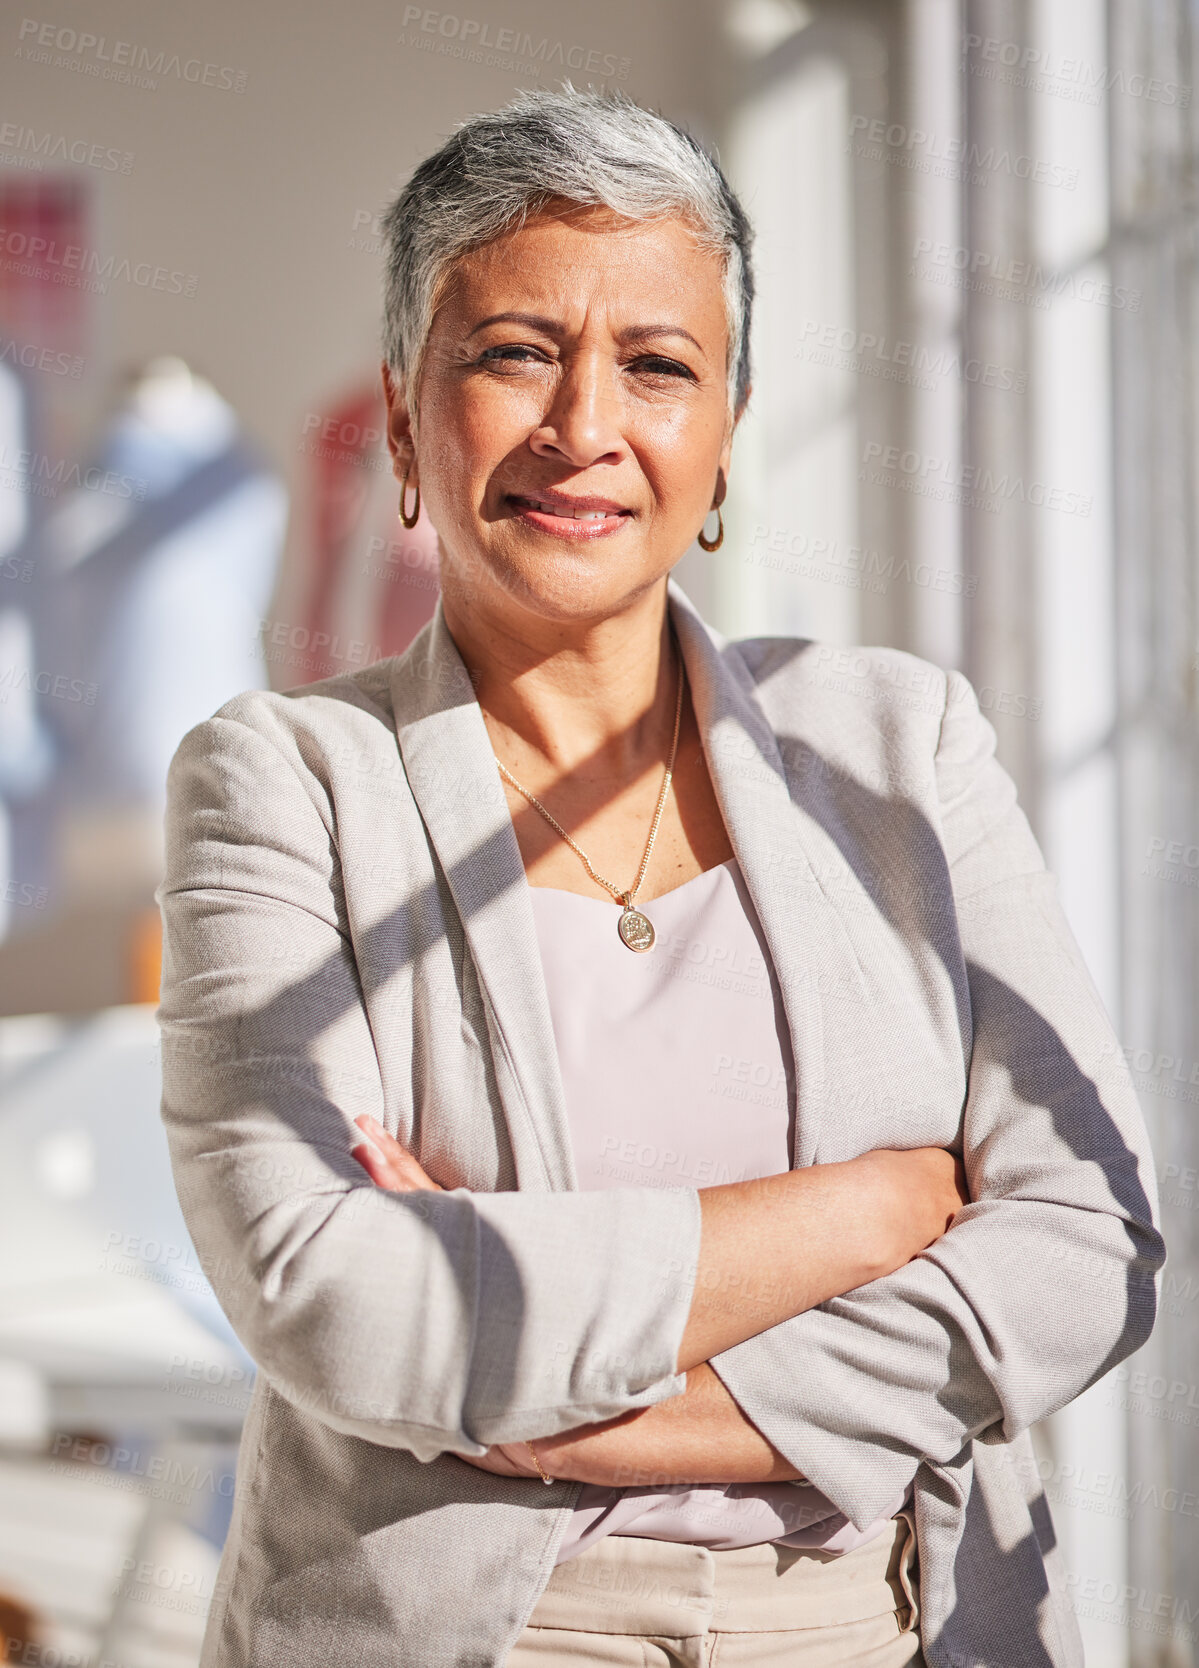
<point>1036,64</point>
<point>75,264</point>
<point>44,38</point>
<point>915,142</point>
<point>976,478</point>
<point>30,148</point>
<point>475,34</point>
<point>1023,275</point>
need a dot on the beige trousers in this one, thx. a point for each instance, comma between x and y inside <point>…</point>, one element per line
<point>635,1603</point>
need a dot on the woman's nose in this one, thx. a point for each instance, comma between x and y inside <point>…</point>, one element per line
<point>582,423</point>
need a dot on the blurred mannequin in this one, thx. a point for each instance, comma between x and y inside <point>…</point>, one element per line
<point>161,564</point>
<point>166,566</point>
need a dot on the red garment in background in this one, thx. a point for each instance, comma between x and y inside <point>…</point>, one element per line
<point>372,582</point>
<point>48,269</point>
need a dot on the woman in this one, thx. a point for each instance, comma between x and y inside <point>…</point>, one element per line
<point>654,1319</point>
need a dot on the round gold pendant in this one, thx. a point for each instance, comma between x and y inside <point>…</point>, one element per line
<point>636,929</point>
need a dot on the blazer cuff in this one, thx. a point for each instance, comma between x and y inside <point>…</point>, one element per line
<point>601,1342</point>
<point>815,1420</point>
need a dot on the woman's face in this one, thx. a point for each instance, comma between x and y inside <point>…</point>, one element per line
<point>576,368</point>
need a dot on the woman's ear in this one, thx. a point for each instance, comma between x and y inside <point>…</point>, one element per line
<point>401,439</point>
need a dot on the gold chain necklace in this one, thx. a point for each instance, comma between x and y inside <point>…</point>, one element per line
<point>636,929</point>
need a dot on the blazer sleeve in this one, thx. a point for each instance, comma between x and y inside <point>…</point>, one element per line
<point>1046,1279</point>
<point>433,1321</point>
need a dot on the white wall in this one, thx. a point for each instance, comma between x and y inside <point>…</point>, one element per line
<point>262,194</point>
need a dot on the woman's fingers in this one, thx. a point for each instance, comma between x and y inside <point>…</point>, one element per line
<point>388,1164</point>
<point>510,1459</point>
<point>377,1168</point>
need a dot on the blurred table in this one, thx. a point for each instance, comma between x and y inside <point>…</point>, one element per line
<point>122,1386</point>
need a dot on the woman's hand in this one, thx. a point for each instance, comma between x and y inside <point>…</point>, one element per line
<point>915,1194</point>
<point>388,1164</point>
<point>505,1459</point>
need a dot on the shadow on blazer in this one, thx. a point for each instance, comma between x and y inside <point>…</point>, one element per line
<point>347,929</point>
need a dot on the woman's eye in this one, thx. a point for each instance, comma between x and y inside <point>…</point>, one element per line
<point>657,366</point>
<point>518,353</point>
<point>512,352</point>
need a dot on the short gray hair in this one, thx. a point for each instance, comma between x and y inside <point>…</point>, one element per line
<point>592,148</point>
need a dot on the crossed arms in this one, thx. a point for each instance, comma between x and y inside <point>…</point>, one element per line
<point>459,1322</point>
<point>781,1244</point>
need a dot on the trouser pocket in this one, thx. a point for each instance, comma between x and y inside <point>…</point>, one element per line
<point>908,1572</point>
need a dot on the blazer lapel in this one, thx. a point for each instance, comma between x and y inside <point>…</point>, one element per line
<point>452,771</point>
<point>451,767</point>
<point>775,843</point>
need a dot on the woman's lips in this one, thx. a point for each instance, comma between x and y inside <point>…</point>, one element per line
<point>589,519</point>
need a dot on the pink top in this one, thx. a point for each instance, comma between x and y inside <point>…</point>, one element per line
<point>678,1072</point>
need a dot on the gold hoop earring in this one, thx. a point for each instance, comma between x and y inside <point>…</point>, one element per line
<point>409,521</point>
<point>712,544</point>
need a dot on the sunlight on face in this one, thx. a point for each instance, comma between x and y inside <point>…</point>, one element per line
<point>573,424</point>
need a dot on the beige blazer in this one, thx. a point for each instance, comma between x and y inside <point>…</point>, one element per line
<point>348,929</point>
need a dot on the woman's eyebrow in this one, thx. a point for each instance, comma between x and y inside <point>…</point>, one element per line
<point>535,321</point>
<point>555,327</point>
<point>643,332</point>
